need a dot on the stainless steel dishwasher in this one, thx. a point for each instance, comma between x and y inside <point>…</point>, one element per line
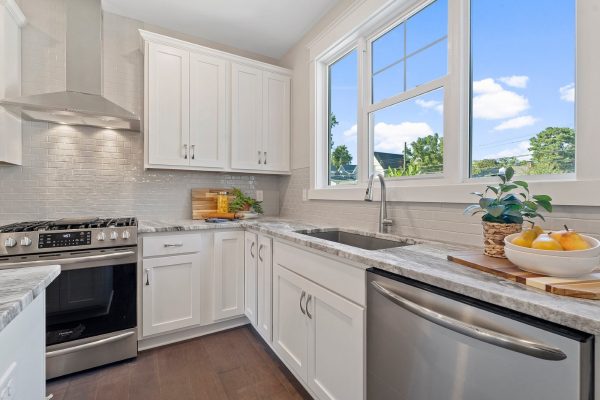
<point>426,343</point>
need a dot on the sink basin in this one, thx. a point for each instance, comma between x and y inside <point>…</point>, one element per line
<point>356,239</point>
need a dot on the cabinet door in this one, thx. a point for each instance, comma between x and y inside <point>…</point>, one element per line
<point>171,293</point>
<point>228,273</point>
<point>276,122</point>
<point>250,265</point>
<point>246,117</point>
<point>265,288</point>
<point>168,105</point>
<point>208,111</point>
<point>336,346</point>
<point>290,324</point>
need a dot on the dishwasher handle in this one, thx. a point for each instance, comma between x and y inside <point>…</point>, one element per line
<point>512,343</point>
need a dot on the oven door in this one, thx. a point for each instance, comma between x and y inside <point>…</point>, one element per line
<point>91,310</point>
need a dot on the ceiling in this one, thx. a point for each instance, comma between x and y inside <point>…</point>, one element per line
<point>267,27</point>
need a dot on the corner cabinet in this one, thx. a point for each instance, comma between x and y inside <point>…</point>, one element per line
<point>213,111</point>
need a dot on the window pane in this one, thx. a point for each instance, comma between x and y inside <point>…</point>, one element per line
<point>388,82</point>
<point>427,26</point>
<point>426,65</point>
<point>408,136</point>
<point>388,49</point>
<point>522,90</point>
<point>343,103</point>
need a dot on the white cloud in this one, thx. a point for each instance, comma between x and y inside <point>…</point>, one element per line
<point>517,81</point>
<point>431,105</point>
<point>516,123</point>
<point>350,133</point>
<point>390,138</point>
<point>567,92</point>
<point>521,149</point>
<point>492,101</point>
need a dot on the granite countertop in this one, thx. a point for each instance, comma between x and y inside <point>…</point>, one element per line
<point>20,286</point>
<point>424,261</point>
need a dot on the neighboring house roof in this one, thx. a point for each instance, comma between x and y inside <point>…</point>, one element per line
<point>387,160</point>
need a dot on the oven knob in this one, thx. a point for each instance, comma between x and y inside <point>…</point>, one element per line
<point>10,242</point>
<point>25,241</point>
<point>114,235</point>
<point>125,235</point>
<point>101,237</point>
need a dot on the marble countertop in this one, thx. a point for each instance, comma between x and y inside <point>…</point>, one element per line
<point>20,286</point>
<point>426,262</point>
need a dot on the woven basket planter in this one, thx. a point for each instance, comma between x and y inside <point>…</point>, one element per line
<point>494,234</point>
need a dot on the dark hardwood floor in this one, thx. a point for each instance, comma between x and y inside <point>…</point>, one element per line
<point>234,364</point>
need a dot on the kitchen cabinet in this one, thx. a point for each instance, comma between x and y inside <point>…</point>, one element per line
<point>171,293</point>
<point>260,127</point>
<point>228,274</point>
<point>250,277</point>
<point>264,288</point>
<point>11,21</point>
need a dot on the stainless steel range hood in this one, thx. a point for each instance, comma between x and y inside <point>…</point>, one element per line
<point>82,102</point>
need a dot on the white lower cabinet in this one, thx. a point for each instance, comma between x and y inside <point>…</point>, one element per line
<point>250,278</point>
<point>228,274</point>
<point>264,288</point>
<point>171,293</point>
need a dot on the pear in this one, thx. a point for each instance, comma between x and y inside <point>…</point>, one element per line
<point>570,240</point>
<point>526,238</point>
<point>538,230</point>
<point>545,242</point>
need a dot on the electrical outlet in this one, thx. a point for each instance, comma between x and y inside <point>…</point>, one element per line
<point>7,383</point>
<point>259,195</point>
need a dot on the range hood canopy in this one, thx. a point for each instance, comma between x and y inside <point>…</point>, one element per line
<point>82,102</point>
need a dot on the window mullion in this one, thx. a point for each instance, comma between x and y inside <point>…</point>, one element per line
<point>363,131</point>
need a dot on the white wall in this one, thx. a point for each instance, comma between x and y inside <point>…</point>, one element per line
<point>434,220</point>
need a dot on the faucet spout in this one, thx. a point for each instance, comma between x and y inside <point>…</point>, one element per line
<point>384,221</point>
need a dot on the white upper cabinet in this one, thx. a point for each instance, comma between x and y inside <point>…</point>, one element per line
<point>208,111</point>
<point>168,106</point>
<point>260,127</point>
<point>213,111</point>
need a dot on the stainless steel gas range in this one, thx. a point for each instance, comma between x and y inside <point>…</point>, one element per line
<point>91,306</point>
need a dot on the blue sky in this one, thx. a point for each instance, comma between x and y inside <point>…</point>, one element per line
<point>523,71</point>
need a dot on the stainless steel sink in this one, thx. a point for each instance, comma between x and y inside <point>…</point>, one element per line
<point>356,239</point>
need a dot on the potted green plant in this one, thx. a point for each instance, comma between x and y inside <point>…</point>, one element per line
<point>505,211</point>
<point>241,202</point>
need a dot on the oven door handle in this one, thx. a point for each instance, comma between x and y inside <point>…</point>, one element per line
<point>90,345</point>
<point>494,338</point>
<point>67,261</point>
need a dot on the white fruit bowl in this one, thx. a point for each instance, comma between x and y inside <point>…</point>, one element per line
<point>593,251</point>
<point>552,265</point>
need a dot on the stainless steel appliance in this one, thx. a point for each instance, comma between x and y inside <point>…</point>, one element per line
<point>426,343</point>
<point>91,306</point>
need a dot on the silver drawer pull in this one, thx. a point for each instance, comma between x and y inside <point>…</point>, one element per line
<point>508,342</point>
<point>147,276</point>
<point>260,252</point>
<point>90,345</point>
<point>308,314</point>
<point>185,150</point>
<point>252,249</point>
<point>259,160</point>
<point>302,298</point>
<point>265,158</point>
<point>173,244</point>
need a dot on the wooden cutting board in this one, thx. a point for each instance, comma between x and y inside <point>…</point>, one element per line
<point>204,203</point>
<point>585,287</point>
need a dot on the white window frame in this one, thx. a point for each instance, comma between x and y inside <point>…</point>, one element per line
<point>455,184</point>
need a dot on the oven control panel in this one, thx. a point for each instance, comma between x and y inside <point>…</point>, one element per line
<point>64,239</point>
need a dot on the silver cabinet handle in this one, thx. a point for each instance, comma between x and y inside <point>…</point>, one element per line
<point>302,298</point>
<point>193,152</point>
<point>306,306</point>
<point>260,253</point>
<point>147,276</point>
<point>265,158</point>
<point>252,249</point>
<point>185,151</point>
<point>259,160</point>
<point>508,342</point>
<point>89,345</point>
<point>173,244</point>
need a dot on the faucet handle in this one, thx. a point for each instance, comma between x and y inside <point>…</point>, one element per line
<point>387,222</point>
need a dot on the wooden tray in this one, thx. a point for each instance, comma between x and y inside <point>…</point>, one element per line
<point>204,202</point>
<point>585,288</point>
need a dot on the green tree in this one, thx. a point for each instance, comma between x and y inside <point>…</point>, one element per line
<point>333,122</point>
<point>553,151</point>
<point>341,156</point>
<point>427,153</point>
<point>490,166</point>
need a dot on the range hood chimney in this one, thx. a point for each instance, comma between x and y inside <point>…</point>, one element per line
<point>82,102</point>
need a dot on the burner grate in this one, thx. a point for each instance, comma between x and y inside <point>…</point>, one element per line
<point>65,224</point>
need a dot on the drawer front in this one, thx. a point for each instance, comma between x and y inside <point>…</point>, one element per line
<point>172,244</point>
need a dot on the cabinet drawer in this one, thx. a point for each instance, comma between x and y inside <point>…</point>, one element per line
<point>172,244</point>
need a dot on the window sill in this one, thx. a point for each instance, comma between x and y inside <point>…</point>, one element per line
<point>563,192</point>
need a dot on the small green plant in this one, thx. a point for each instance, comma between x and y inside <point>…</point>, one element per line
<point>512,203</point>
<point>242,202</point>
<point>410,170</point>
